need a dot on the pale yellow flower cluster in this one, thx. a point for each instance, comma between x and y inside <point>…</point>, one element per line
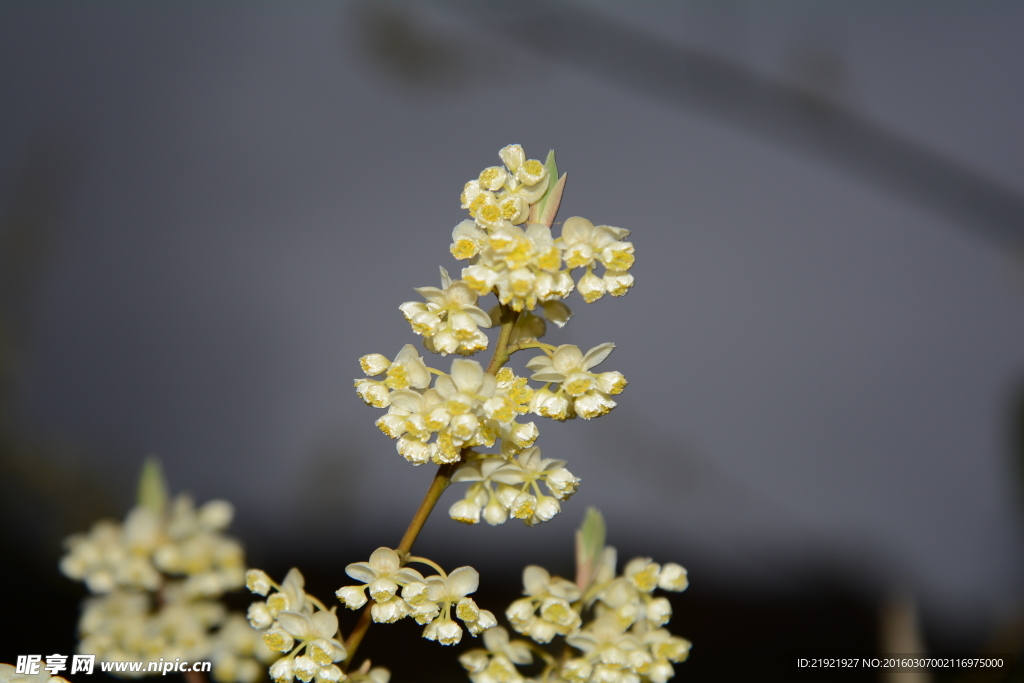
<point>183,542</point>
<point>615,627</point>
<point>501,488</point>
<point>158,576</point>
<point>579,391</point>
<point>464,409</point>
<point>9,674</point>
<point>298,626</point>
<point>431,601</point>
<point>450,320</point>
<point>496,661</point>
<point>525,266</point>
<point>512,254</point>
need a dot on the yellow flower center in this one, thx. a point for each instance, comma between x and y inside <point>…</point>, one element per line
<point>464,249</point>
<point>398,378</point>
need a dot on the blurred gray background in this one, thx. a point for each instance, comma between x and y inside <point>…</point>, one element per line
<point>211,211</point>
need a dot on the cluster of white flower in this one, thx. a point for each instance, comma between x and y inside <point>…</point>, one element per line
<point>124,626</point>
<point>496,661</point>
<point>580,392</point>
<point>160,572</point>
<point>9,674</point>
<point>238,652</point>
<point>428,600</point>
<point>501,487</point>
<point>158,576</point>
<point>514,256</point>
<point>183,542</point>
<point>525,266</point>
<point>464,409</point>
<point>619,641</point>
<point>450,320</point>
<point>546,611</point>
<point>298,626</point>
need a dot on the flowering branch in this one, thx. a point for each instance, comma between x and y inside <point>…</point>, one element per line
<point>442,480</point>
<point>611,624</point>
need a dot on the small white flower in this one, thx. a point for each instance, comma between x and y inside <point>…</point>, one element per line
<point>449,320</point>
<point>570,368</point>
<point>444,631</point>
<point>407,371</point>
<point>257,581</point>
<point>259,616</point>
<point>283,670</point>
<point>467,240</point>
<point>672,578</point>
<point>390,611</point>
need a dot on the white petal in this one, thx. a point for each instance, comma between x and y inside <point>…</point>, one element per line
<point>462,581</point>
<point>532,193</point>
<point>567,358</point>
<point>467,472</point>
<point>496,639</point>
<point>384,561</point>
<point>512,156</point>
<point>535,579</point>
<point>361,571</point>
<point>354,597</point>
<point>296,624</point>
<point>597,354</point>
<point>407,355</point>
<point>431,294</point>
<point>510,475</point>
<point>325,624</point>
<point>576,229</point>
<point>460,293</point>
<point>549,376</point>
<point>409,575</point>
<point>467,375</point>
<point>557,312</point>
<point>495,513</point>
<point>410,401</point>
<point>445,386</point>
<point>539,363</point>
<point>479,316</point>
<point>540,235</point>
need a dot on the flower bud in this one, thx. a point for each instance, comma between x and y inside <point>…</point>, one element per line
<point>259,615</point>
<point>673,578</point>
<point>283,670</point>
<point>278,640</point>
<point>495,513</point>
<point>591,287</point>
<point>354,597</point>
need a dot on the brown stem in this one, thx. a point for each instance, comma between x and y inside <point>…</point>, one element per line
<point>356,636</point>
<point>441,481</point>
